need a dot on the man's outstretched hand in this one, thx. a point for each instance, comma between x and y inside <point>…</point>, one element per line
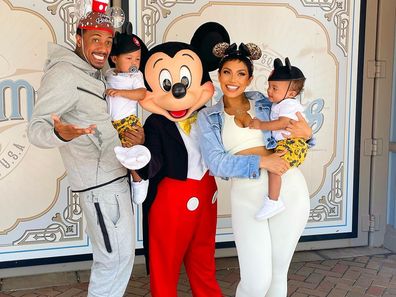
<point>69,131</point>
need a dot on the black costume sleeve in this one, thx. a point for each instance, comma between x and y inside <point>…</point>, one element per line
<point>153,141</point>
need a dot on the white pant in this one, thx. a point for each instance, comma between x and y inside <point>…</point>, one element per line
<point>110,271</point>
<point>265,248</point>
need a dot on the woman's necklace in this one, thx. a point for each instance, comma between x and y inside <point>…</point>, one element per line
<point>241,116</point>
<point>238,110</point>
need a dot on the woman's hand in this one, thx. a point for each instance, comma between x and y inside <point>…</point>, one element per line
<point>274,163</point>
<point>255,123</point>
<point>298,129</point>
<point>134,136</point>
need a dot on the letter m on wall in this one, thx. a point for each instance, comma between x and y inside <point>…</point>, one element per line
<point>15,88</point>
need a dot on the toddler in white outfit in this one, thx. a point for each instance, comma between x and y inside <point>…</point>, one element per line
<point>125,87</point>
<point>284,84</point>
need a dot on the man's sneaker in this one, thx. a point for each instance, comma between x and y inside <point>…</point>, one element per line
<point>269,209</point>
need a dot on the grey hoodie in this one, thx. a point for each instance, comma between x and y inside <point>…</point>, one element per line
<point>69,88</point>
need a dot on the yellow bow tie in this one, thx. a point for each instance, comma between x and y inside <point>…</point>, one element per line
<point>185,125</point>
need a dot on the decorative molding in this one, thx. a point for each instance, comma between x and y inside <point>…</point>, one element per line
<point>65,10</point>
<point>330,207</point>
<point>34,13</point>
<point>67,226</point>
<point>152,12</point>
<point>38,215</point>
<point>337,11</point>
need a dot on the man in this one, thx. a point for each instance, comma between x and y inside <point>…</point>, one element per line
<point>71,114</point>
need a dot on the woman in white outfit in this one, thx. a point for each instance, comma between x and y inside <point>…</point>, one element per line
<point>232,150</point>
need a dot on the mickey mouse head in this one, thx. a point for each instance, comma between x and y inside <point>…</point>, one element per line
<point>177,73</point>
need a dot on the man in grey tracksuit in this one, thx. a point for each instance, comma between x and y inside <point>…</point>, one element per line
<point>71,114</point>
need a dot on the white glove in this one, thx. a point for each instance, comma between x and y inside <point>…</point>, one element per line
<point>134,157</point>
<point>139,191</point>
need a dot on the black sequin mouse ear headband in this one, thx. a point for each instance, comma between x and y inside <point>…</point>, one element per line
<point>249,50</point>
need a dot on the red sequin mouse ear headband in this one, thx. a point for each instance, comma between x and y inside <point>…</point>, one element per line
<point>97,15</point>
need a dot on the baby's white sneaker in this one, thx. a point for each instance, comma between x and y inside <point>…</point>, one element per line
<point>134,157</point>
<point>139,191</point>
<point>269,209</point>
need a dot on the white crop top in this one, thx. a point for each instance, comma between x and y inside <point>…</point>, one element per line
<point>236,139</point>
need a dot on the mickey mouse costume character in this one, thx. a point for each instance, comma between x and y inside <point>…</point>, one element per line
<point>71,113</point>
<point>180,211</point>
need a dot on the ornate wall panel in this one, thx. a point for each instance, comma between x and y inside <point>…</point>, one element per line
<point>321,37</point>
<point>41,218</point>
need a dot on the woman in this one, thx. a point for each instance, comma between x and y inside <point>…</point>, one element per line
<point>232,150</point>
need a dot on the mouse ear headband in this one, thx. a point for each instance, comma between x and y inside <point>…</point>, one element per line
<point>249,50</point>
<point>127,42</point>
<point>97,15</point>
<point>285,72</point>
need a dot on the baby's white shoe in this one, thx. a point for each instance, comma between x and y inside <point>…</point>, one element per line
<point>139,191</point>
<point>269,209</point>
<point>134,157</point>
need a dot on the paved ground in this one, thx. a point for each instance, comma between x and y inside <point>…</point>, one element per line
<point>353,272</point>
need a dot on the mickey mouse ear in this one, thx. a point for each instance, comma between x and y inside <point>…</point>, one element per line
<point>219,50</point>
<point>127,28</point>
<point>115,39</point>
<point>205,38</point>
<point>254,51</point>
<point>116,15</point>
<point>287,64</point>
<point>287,72</point>
<point>278,63</point>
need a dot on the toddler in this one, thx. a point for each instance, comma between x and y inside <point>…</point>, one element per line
<point>125,87</point>
<point>284,84</point>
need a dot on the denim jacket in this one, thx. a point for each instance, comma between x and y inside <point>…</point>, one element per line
<point>221,163</point>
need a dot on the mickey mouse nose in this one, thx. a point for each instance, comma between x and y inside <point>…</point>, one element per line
<point>179,90</point>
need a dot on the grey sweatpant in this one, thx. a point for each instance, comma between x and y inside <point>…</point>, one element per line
<point>108,210</point>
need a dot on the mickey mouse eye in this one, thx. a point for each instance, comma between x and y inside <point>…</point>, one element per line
<point>185,76</point>
<point>165,80</point>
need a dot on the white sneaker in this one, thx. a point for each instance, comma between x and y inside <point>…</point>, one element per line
<point>269,209</point>
<point>139,191</point>
<point>134,157</point>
